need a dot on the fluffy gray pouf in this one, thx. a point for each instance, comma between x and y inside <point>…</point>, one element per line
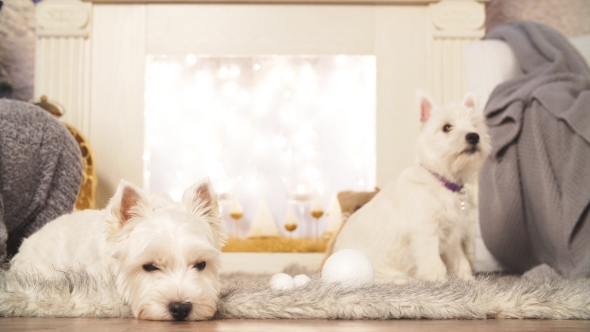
<point>249,296</point>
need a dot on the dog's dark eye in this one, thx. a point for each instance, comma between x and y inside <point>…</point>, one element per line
<point>200,266</point>
<point>447,128</point>
<point>149,267</point>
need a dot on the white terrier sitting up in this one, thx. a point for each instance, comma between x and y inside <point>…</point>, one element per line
<point>164,255</point>
<point>417,226</point>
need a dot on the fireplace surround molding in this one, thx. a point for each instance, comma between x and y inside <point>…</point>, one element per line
<point>90,57</point>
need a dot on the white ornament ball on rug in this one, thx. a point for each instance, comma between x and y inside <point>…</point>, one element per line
<point>281,281</point>
<point>349,267</point>
<point>300,280</point>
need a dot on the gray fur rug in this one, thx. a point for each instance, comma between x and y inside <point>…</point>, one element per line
<point>539,295</point>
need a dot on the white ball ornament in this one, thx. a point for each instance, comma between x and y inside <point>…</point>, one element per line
<point>300,280</point>
<point>281,281</point>
<point>349,267</point>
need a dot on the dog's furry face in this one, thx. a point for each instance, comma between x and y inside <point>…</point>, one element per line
<point>453,139</point>
<point>167,253</point>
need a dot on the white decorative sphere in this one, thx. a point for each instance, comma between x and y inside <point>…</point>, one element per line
<point>300,280</point>
<point>349,267</point>
<point>281,281</point>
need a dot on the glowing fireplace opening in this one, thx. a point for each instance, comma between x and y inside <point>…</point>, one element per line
<point>284,129</point>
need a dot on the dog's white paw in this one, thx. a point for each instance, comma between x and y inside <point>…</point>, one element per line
<point>434,271</point>
<point>465,274</point>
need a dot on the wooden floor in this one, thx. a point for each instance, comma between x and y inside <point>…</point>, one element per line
<point>113,325</point>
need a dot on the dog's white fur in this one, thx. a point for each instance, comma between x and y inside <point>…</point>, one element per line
<point>134,231</point>
<point>415,227</point>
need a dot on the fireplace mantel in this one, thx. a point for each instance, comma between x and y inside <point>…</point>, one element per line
<point>90,56</point>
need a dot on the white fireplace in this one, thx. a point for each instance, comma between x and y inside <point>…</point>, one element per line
<point>92,56</point>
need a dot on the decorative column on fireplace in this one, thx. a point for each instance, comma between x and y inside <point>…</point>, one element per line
<point>454,25</point>
<point>62,57</point>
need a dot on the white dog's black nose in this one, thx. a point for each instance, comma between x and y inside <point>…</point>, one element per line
<point>472,138</point>
<point>180,310</point>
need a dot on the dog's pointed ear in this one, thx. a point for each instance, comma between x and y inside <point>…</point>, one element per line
<point>128,202</point>
<point>201,199</point>
<point>469,101</point>
<point>425,105</point>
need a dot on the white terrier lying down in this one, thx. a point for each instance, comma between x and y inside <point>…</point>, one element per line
<point>164,255</point>
<point>417,226</point>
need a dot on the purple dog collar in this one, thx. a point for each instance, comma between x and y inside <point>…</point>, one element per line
<point>452,186</point>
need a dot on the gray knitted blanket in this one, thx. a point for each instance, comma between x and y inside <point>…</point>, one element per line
<point>40,171</point>
<point>535,187</point>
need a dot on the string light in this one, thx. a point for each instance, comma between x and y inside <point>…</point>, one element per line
<point>234,71</point>
<point>243,97</point>
<point>341,59</point>
<point>190,59</point>
<point>223,72</point>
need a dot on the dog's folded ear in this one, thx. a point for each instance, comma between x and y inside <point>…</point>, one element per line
<point>201,199</point>
<point>128,202</point>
